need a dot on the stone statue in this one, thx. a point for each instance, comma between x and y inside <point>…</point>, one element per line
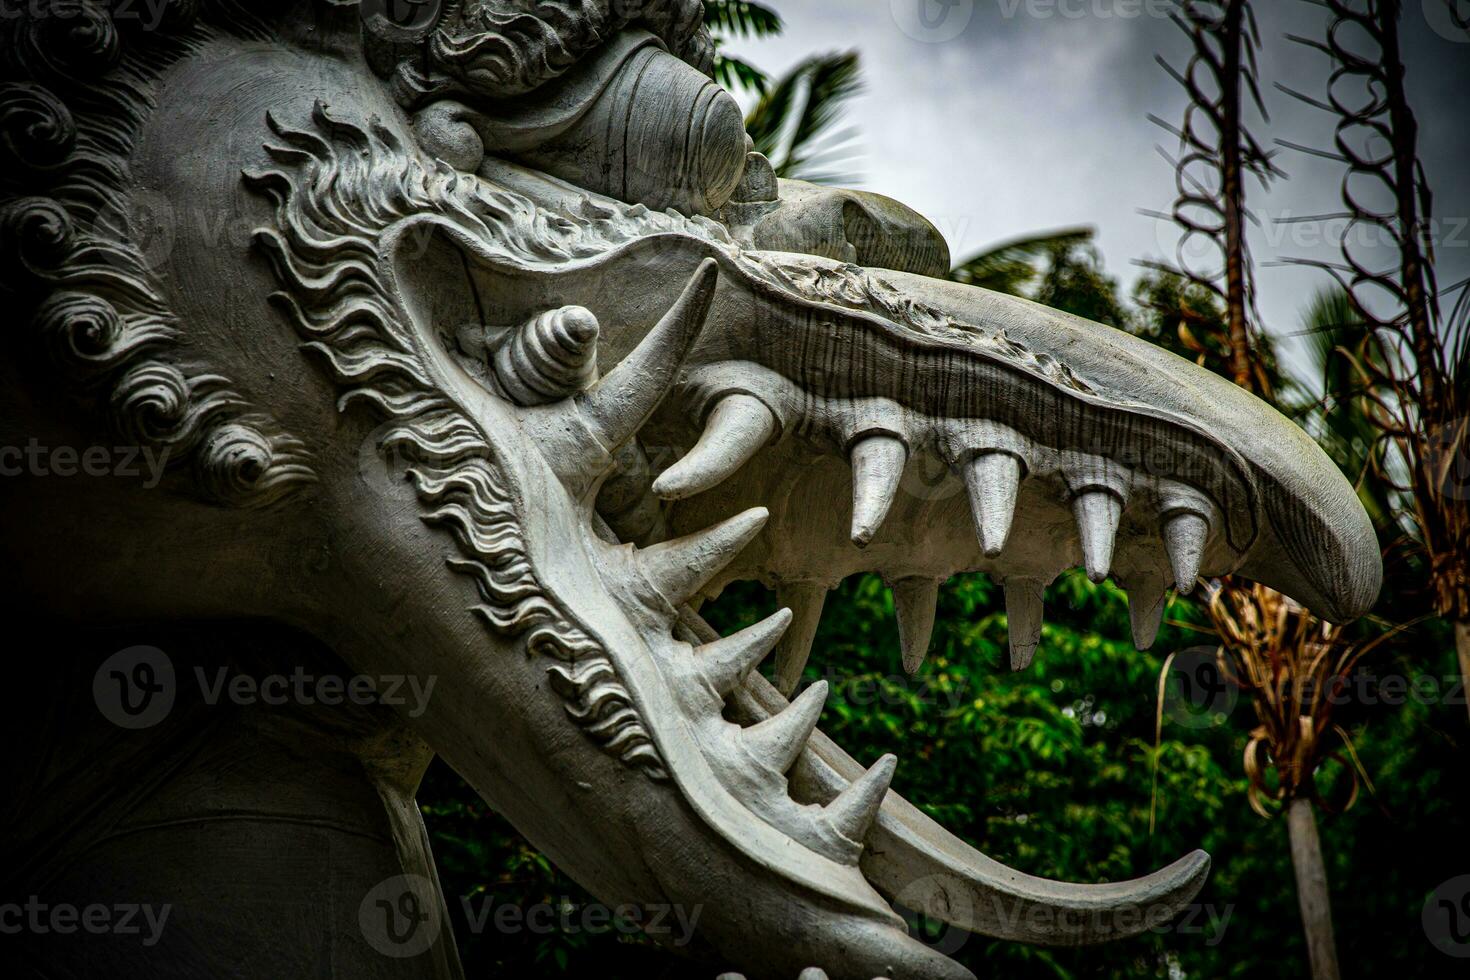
<point>475,349</point>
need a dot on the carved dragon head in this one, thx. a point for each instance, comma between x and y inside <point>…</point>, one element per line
<point>603,364</point>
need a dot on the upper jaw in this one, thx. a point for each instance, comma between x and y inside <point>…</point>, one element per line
<point>837,354</point>
<point>951,371</point>
<point>841,356</point>
<point>745,801</point>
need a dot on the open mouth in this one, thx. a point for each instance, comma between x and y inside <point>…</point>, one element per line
<point>749,495</point>
<point>532,377</point>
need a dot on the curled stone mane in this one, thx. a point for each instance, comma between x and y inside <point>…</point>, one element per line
<point>339,191</point>
<point>74,90</point>
<point>501,48</point>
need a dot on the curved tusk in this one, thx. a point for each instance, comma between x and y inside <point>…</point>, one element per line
<point>617,406</point>
<point>912,858</point>
<point>738,428</point>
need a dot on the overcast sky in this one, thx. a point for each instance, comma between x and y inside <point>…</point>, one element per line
<point>995,118</point>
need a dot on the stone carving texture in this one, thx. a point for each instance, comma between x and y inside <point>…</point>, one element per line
<point>524,355</point>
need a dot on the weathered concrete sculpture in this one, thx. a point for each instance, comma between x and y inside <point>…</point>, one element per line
<point>480,348</point>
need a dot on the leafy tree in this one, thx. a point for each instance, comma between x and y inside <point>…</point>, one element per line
<point>795,122</point>
<point>739,18</point>
<point>1013,266</point>
<point>1061,269</point>
<point>1074,281</point>
<point>1071,769</point>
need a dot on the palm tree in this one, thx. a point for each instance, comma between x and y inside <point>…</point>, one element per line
<point>794,122</point>
<point>1411,362</point>
<point>739,18</point>
<point>1013,266</point>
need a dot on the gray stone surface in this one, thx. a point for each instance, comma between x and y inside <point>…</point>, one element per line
<point>478,352</point>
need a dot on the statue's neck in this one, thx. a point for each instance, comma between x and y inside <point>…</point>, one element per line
<point>261,807</point>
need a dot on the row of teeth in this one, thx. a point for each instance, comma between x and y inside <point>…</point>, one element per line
<point>740,425</point>
<point>538,367</point>
<point>544,363</point>
<point>753,760</point>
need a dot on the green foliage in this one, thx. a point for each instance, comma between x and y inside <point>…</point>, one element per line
<point>1062,269</point>
<point>739,18</point>
<point>1051,771</point>
<point>735,73</point>
<point>1013,266</point>
<point>1075,281</point>
<point>1339,419</point>
<point>1059,771</point>
<point>793,123</point>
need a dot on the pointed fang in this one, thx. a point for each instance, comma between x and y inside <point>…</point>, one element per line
<point>726,661</point>
<point>1184,538</point>
<point>914,600</point>
<point>1024,611</point>
<point>877,466</point>
<point>678,569</point>
<point>1146,602</point>
<point>617,406</point>
<point>805,600</point>
<point>1097,513</point>
<point>993,479</point>
<point>780,739</point>
<point>737,429</point>
<point>855,809</point>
